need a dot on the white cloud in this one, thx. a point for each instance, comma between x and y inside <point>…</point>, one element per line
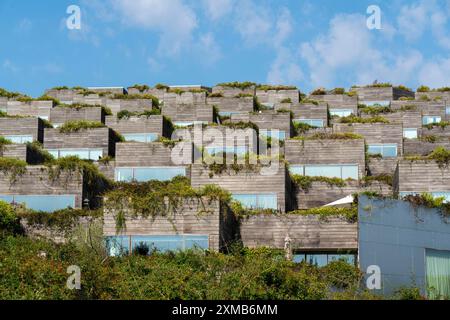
<point>435,73</point>
<point>173,19</point>
<point>10,66</point>
<point>253,22</point>
<point>24,25</point>
<point>412,20</point>
<point>208,49</point>
<point>285,69</point>
<point>216,9</point>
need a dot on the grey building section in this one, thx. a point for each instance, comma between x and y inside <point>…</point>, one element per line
<point>31,109</point>
<point>438,131</point>
<point>22,126</point>
<point>247,182</point>
<point>381,93</point>
<point>306,232</point>
<point>395,236</point>
<point>184,98</point>
<point>61,115</point>
<point>311,111</point>
<point>96,138</point>
<point>414,147</point>
<point>434,95</point>
<point>278,96</point>
<point>237,105</point>
<point>188,112</point>
<point>338,101</point>
<point>132,105</point>
<point>268,120</point>
<point>152,124</point>
<point>37,181</point>
<point>193,217</point>
<point>228,91</point>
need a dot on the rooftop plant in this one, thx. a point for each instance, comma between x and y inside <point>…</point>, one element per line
<point>355,119</point>
<point>125,114</point>
<point>286,100</point>
<point>350,214</point>
<point>423,89</point>
<point>338,91</point>
<point>4,142</point>
<point>384,178</point>
<point>402,87</point>
<point>60,88</point>
<point>380,85</point>
<point>141,87</point>
<point>319,92</point>
<point>440,155</point>
<point>244,95</point>
<point>75,126</point>
<point>238,85</point>
<point>429,201</point>
<point>374,110</point>
<point>9,94</point>
<point>266,87</point>
<point>305,182</point>
<point>406,98</point>
<point>429,139</point>
<point>161,86</point>
<point>309,101</point>
<point>335,136</point>
<point>216,95</point>
<point>78,106</point>
<point>442,124</point>
<point>13,168</point>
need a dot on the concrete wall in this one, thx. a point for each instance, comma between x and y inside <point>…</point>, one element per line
<point>233,92</point>
<point>61,115</point>
<point>394,235</point>
<point>269,120</point>
<point>306,232</point>
<point>276,96</point>
<point>22,126</point>
<point>381,93</point>
<point>245,181</point>
<point>338,101</point>
<point>187,97</point>
<point>232,104</point>
<point>194,217</point>
<point>188,112</point>
<point>326,152</point>
<point>423,148</point>
<point>132,105</point>
<point>382,166</point>
<point>36,181</point>
<point>103,138</point>
<point>311,111</point>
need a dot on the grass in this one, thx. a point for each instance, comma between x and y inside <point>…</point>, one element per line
<point>75,126</point>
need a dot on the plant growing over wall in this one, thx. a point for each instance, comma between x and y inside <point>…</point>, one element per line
<point>160,86</point>
<point>215,95</point>
<point>429,139</point>
<point>79,106</point>
<point>440,155</point>
<point>423,89</point>
<point>305,182</point>
<point>40,154</point>
<point>155,100</point>
<point>442,125</point>
<point>374,110</point>
<point>286,100</point>
<point>10,95</point>
<point>141,87</point>
<point>335,136</point>
<point>383,178</point>
<point>408,107</point>
<point>237,85</point>
<point>429,201</point>
<point>125,114</point>
<point>244,95</point>
<point>309,101</point>
<point>4,142</point>
<point>402,87</point>
<point>13,168</point>
<point>75,126</point>
<point>319,92</point>
<point>354,119</point>
<point>265,87</point>
<point>350,214</point>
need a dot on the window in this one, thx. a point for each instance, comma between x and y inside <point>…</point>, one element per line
<point>184,124</point>
<point>447,110</point>
<point>377,103</point>
<point>140,137</point>
<point>268,105</point>
<point>437,267</point>
<point>437,194</point>
<point>46,203</point>
<point>331,171</point>
<point>386,150</point>
<point>20,138</point>
<point>430,120</point>
<point>238,150</point>
<point>410,133</point>
<point>228,113</point>
<point>44,117</point>
<point>311,122</point>
<point>120,245</point>
<point>322,259</point>
<point>281,135</point>
<point>86,154</point>
<point>257,201</point>
<point>148,174</point>
<point>341,112</point>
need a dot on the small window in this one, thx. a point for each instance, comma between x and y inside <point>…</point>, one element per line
<point>431,120</point>
<point>322,259</point>
<point>383,103</point>
<point>150,173</point>
<point>140,137</point>
<point>410,133</point>
<point>257,201</point>
<point>331,171</point>
<point>45,203</point>
<point>341,112</point>
<point>318,123</point>
<point>85,154</point>
<point>447,110</point>
<point>385,150</point>
<point>277,134</point>
<point>19,138</point>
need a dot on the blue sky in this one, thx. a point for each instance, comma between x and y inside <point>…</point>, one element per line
<point>321,43</point>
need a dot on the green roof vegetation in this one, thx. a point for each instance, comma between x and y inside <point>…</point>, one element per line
<point>13,168</point>
<point>442,124</point>
<point>78,106</point>
<point>237,85</point>
<point>305,182</point>
<point>141,87</point>
<point>266,87</point>
<point>125,114</point>
<point>355,119</point>
<point>75,126</point>
<point>440,155</point>
<point>350,214</point>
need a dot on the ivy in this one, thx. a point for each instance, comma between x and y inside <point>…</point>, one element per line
<point>350,214</point>
<point>79,106</point>
<point>305,182</point>
<point>13,168</point>
<point>75,126</point>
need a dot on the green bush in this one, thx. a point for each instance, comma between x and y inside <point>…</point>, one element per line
<point>423,89</point>
<point>13,168</point>
<point>238,85</point>
<point>355,119</point>
<point>75,126</point>
<point>9,222</point>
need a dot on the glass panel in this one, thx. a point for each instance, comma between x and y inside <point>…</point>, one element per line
<point>118,245</point>
<point>140,137</point>
<point>323,171</point>
<point>298,258</point>
<point>447,110</point>
<point>299,170</point>
<point>239,150</point>
<point>124,175</point>
<point>54,153</point>
<point>377,103</point>
<point>341,112</point>
<point>267,201</point>
<point>410,133</point>
<point>196,242</point>
<point>438,274</point>
<point>319,260</point>
<point>350,172</point>
<point>281,135</point>
<point>389,151</point>
<point>160,174</point>
<point>46,203</point>
<point>268,105</point>
<point>431,119</point>
<point>349,258</point>
<point>170,242</point>
<point>95,154</point>
<point>247,200</point>
<point>82,154</point>
<point>8,199</point>
<point>311,122</point>
<point>375,149</point>
<point>20,139</point>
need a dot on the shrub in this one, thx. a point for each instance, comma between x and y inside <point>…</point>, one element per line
<point>305,182</point>
<point>319,92</point>
<point>237,85</point>
<point>335,136</point>
<point>374,110</point>
<point>13,167</point>
<point>342,275</point>
<point>384,178</point>
<point>287,100</point>
<point>349,214</point>
<point>265,87</point>
<point>9,222</point>
<point>141,87</point>
<point>405,293</point>
<point>216,95</point>
<point>402,87</point>
<point>309,101</point>
<point>125,114</point>
<point>423,89</point>
<point>161,86</point>
<point>78,106</point>
<point>75,126</point>
<point>355,119</point>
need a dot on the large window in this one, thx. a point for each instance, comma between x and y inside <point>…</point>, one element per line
<point>341,112</point>
<point>140,137</point>
<point>410,133</point>
<point>257,201</point>
<point>279,135</point>
<point>323,259</point>
<point>385,150</point>
<point>437,194</point>
<point>46,203</point>
<point>238,150</point>
<point>381,103</point>
<point>19,138</point>
<point>438,274</point>
<point>86,154</point>
<point>431,119</point>
<point>148,174</point>
<point>318,123</point>
<point>331,171</point>
<point>120,245</point>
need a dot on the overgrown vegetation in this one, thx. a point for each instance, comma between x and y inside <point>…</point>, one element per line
<point>78,125</point>
<point>349,214</point>
<point>442,125</point>
<point>125,114</point>
<point>305,182</point>
<point>78,106</point>
<point>429,201</point>
<point>141,87</point>
<point>237,85</point>
<point>383,178</point>
<point>374,110</point>
<point>355,119</point>
<point>440,155</point>
<point>266,87</point>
